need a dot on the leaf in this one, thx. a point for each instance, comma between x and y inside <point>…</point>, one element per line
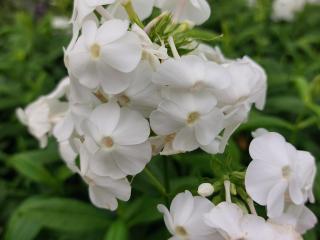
<point>201,34</point>
<point>117,231</point>
<point>32,169</point>
<point>259,120</point>
<point>142,210</point>
<point>58,214</point>
<point>20,227</point>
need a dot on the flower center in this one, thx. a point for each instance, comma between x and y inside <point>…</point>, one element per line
<point>123,100</point>
<point>95,51</point>
<point>197,86</point>
<point>107,142</point>
<point>169,138</point>
<point>193,117</point>
<point>286,172</point>
<point>181,231</point>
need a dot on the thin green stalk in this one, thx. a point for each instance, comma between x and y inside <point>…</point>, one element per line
<point>133,16</point>
<point>155,182</point>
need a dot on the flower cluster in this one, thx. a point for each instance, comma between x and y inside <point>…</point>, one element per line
<point>134,91</point>
<point>279,177</point>
<point>286,9</point>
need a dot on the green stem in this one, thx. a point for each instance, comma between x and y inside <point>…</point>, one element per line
<point>155,182</point>
<point>133,16</point>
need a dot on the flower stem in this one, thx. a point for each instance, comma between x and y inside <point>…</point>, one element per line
<point>227,185</point>
<point>155,182</point>
<point>103,12</point>
<point>133,16</point>
<point>173,48</point>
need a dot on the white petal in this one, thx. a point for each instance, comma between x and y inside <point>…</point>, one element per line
<point>132,128</point>
<point>114,81</point>
<point>111,31</point>
<point>123,54</point>
<point>64,128</point>
<point>209,127</point>
<point>185,140</point>
<point>105,165</point>
<point>217,76</point>
<point>106,117</point>
<point>261,177</point>
<point>253,226</point>
<point>163,124</point>
<point>275,200</point>
<point>212,147</point>
<point>225,217</point>
<point>89,30</point>
<point>132,159</point>
<point>271,147</point>
<point>167,218</point>
<point>181,208</point>
<point>295,192</point>
<point>102,198</point>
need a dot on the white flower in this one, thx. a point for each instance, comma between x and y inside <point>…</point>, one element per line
<point>41,116</point>
<point>103,191</point>
<point>211,54</point>
<point>117,138</point>
<point>185,218</point>
<point>59,22</point>
<point>205,189</point>
<point>297,216</point>
<point>143,9</point>
<point>193,117</point>
<point>195,11</point>
<point>142,95</point>
<point>163,145</point>
<point>286,9</point>
<point>83,8</point>
<point>248,86</point>
<point>103,56</point>
<point>279,172</point>
<point>233,224</point>
<point>192,73</point>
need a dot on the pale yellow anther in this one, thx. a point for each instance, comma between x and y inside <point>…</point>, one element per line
<point>95,51</point>
<point>108,142</point>
<point>193,117</point>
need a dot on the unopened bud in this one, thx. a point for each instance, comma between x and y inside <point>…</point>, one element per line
<point>205,189</point>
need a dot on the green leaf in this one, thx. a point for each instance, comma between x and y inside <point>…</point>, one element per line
<point>202,35</point>
<point>57,214</point>
<point>117,231</point>
<point>32,169</point>
<point>20,227</point>
<point>134,216</point>
<point>259,120</point>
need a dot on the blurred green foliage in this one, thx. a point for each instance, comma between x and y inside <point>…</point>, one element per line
<point>41,199</point>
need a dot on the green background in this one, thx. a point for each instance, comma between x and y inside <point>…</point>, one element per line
<point>41,199</point>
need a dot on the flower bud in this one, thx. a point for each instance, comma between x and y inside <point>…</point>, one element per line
<point>205,189</point>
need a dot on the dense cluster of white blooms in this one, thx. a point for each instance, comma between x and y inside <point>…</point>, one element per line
<point>126,99</point>
<point>286,9</point>
<point>279,177</point>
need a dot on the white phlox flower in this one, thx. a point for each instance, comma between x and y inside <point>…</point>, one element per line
<point>143,9</point>
<point>142,95</point>
<point>41,116</point>
<point>192,73</point>
<point>103,56</point>
<point>194,11</point>
<point>233,224</point>
<point>192,117</point>
<point>118,140</point>
<point>103,191</point>
<point>248,86</point>
<point>299,217</point>
<point>211,54</point>
<point>286,9</point>
<point>185,220</point>
<point>279,173</point>
<point>205,189</point>
<point>163,145</point>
